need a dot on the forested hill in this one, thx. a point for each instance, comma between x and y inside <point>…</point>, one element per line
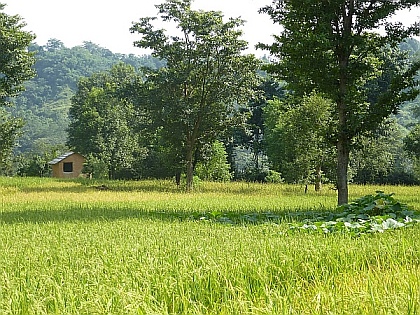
<point>45,103</point>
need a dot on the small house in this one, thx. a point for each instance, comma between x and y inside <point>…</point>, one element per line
<point>68,165</point>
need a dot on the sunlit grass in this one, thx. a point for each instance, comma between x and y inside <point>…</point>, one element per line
<point>71,247</point>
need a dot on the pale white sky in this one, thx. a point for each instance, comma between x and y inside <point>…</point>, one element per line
<point>107,23</point>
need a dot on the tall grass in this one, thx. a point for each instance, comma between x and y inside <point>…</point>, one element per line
<point>75,247</point>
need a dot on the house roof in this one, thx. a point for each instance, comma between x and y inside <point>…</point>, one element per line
<point>60,158</point>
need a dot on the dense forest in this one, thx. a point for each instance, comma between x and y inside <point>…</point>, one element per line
<point>271,140</point>
<point>46,102</point>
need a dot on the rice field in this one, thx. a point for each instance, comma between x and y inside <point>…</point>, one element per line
<point>88,247</point>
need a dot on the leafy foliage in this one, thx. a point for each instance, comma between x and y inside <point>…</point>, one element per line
<point>15,68</point>
<point>215,166</point>
<point>35,163</point>
<point>195,95</point>
<point>45,103</point>
<point>16,62</point>
<point>104,121</point>
<point>368,214</point>
<point>345,59</point>
<point>379,157</point>
<point>251,136</point>
<point>297,144</point>
<point>10,129</point>
<point>412,141</point>
<point>412,146</point>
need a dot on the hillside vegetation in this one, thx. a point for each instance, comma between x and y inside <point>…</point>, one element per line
<point>47,99</point>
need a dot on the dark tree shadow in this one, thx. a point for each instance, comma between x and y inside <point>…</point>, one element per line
<point>167,186</point>
<point>87,213</point>
<point>81,214</point>
<point>92,212</point>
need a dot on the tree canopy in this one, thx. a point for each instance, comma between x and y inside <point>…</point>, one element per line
<point>141,120</point>
<point>297,137</point>
<point>15,68</point>
<point>104,119</point>
<point>206,76</point>
<point>16,62</point>
<point>334,47</point>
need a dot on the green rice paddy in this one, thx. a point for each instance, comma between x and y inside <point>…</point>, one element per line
<point>77,247</point>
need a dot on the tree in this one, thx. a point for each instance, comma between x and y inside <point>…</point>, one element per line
<point>9,131</point>
<point>15,68</point>
<point>412,141</point>
<point>194,97</point>
<point>378,158</point>
<point>297,143</point>
<point>332,46</point>
<point>412,146</point>
<point>104,119</point>
<point>215,167</point>
<point>251,136</point>
<point>46,100</point>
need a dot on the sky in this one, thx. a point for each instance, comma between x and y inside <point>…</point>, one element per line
<point>107,23</point>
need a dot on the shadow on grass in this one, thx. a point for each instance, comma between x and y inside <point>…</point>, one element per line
<point>87,213</point>
<point>81,214</point>
<point>164,186</point>
<point>84,186</point>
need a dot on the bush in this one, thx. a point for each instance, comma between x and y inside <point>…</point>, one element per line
<point>274,177</point>
<point>215,167</point>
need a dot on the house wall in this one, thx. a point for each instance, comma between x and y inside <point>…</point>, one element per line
<point>76,159</point>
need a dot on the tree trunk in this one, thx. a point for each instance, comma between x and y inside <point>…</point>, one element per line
<point>190,168</point>
<point>110,173</point>
<point>342,168</point>
<point>318,178</point>
<point>178,179</point>
<point>343,142</point>
<point>191,152</point>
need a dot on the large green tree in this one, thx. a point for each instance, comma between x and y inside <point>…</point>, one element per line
<point>333,46</point>
<point>104,122</point>
<point>207,74</point>
<point>296,136</point>
<point>15,68</point>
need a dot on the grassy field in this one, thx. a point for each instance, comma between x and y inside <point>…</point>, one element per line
<point>76,247</point>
